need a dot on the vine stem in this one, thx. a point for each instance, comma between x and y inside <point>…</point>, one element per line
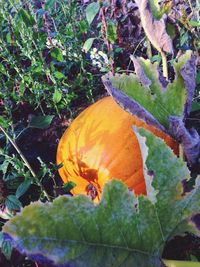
<point>19,152</point>
<point>24,160</point>
<point>164,63</point>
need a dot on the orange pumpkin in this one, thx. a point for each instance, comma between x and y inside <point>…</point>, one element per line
<point>100,145</point>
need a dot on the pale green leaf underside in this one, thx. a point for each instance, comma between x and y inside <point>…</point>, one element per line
<point>160,102</point>
<point>122,230</point>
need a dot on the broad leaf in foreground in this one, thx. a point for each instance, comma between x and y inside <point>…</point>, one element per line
<point>122,230</point>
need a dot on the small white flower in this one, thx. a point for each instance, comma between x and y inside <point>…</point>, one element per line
<point>48,44</point>
<point>97,56</point>
<point>93,52</point>
<point>99,65</point>
<point>54,42</point>
<point>99,59</point>
<point>64,52</point>
<point>59,43</point>
<point>94,62</point>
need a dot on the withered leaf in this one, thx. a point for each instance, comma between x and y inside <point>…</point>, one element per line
<point>154,29</point>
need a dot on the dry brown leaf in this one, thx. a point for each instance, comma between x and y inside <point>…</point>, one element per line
<point>154,29</point>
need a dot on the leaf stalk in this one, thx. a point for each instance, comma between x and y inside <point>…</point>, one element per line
<point>164,65</point>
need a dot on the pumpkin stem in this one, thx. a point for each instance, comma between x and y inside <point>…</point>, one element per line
<point>91,191</point>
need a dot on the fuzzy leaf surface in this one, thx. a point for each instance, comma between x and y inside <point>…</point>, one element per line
<point>122,230</point>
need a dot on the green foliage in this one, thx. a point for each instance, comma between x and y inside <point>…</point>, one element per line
<point>68,186</point>
<point>40,122</point>
<point>122,229</point>
<point>105,33</point>
<point>194,23</point>
<point>16,178</point>
<point>41,53</point>
<point>88,44</point>
<point>15,181</point>
<point>189,29</point>
<point>112,32</point>
<point>41,67</point>
<point>3,122</point>
<point>18,182</point>
<point>22,188</point>
<point>12,202</point>
<point>5,246</point>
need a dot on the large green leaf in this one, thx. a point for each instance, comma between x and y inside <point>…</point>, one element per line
<point>159,100</point>
<point>122,230</point>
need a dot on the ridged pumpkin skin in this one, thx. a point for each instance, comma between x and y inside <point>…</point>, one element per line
<point>100,145</point>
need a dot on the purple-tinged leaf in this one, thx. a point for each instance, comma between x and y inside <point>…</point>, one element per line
<point>140,72</point>
<point>39,257</point>
<point>130,105</point>
<point>162,80</point>
<point>188,73</point>
<point>154,29</point>
<point>189,139</point>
